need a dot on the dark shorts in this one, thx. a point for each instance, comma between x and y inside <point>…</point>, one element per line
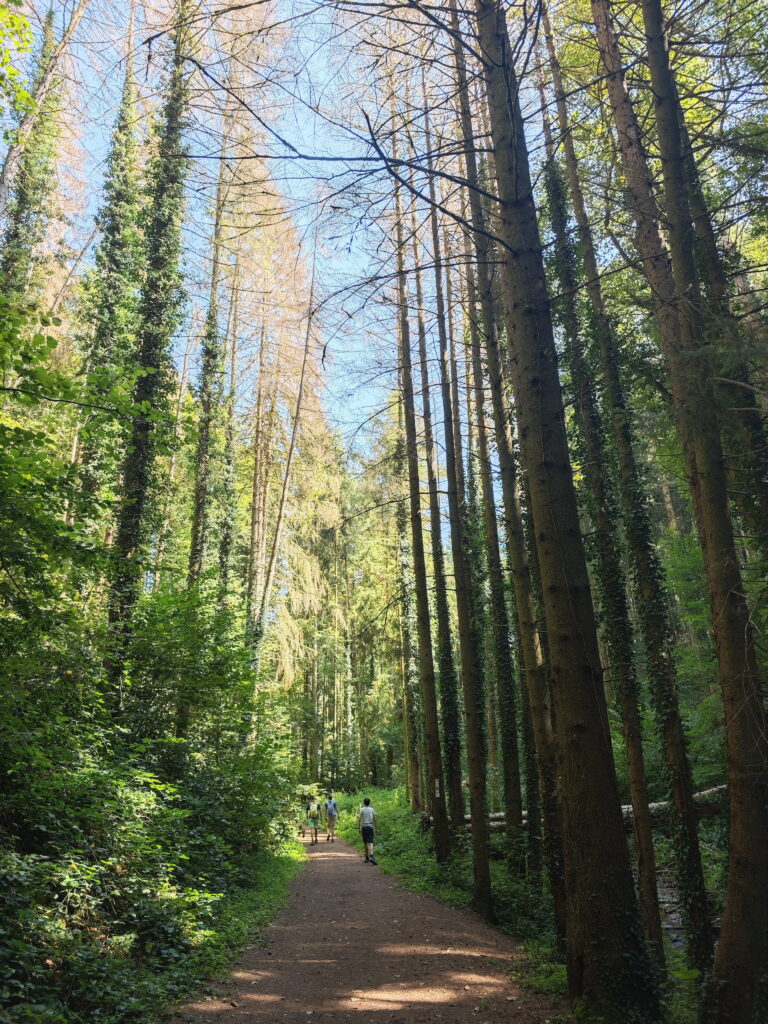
<point>367,831</point>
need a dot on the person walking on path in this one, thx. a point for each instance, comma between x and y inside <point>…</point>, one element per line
<point>331,816</point>
<point>366,819</point>
<point>313,818</point>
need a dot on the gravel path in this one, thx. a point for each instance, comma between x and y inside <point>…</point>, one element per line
<point>351,947</point>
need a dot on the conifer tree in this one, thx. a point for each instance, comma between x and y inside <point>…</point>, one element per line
<point>112,291</point>
<point>160,308</point>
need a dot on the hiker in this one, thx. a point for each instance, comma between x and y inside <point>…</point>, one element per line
<point>366,819</point>
<point>313,818</point>
<point>331,814</point>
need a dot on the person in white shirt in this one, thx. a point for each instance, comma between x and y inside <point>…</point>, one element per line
<point>366,819</point>
<point>331,812</point>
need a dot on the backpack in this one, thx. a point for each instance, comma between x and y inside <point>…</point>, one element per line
<point>331,808</point>
<point>314,809</point>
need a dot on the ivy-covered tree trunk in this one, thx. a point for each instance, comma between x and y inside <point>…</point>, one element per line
<point>740,959</point>
<point>503,665</point>
<point>609,971</point>
<point>435,780</point>
<point>534,680</point>
<point>211,381</point>
<point>159,314</point>
<point>470,643</point>
<point>648,580</point>
<point>112,294</point>
<point>675,285</point>
<point>601,507</point>
<point>449,701</point>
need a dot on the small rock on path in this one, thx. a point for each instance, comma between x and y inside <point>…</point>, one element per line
<point>351,947</point>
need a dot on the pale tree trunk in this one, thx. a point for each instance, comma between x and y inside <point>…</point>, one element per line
<point>449,704</point>
<point>19,140</point>
<point>229,497</point>
<point>467,613</point>
<point>261,603</point>
<point>609,971</point>
<point>435,781</point>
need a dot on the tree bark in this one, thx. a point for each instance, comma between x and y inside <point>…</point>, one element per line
<point>467,613</point>
<point>449,703</point>
<point>534,681</point>
<point>740,959</point>
<point>648,580</point>
<point>609,971</point>
<point>436,785</point>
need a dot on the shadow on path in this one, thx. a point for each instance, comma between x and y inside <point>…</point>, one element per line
<point>350,946</point>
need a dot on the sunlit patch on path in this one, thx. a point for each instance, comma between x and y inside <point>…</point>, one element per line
<point>351,946</point>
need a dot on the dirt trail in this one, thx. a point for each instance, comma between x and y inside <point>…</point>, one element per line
<point>351,947</point>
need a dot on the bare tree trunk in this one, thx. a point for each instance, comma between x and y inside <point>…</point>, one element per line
<point>467,612</point>
<point>609,970</point>
<point>261,603</point>
<point>449,704</point>
<point>436,785</point>
<point>16,147</point>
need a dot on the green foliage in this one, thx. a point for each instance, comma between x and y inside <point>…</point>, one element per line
<point>15,40</point>
<point>31,205</point>
<point>117,887</point>
<point>36,484</point>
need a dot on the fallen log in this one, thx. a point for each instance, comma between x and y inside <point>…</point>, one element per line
<point>709,804</point>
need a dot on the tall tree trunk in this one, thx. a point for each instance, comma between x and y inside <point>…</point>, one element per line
<point>261,602</point>
<point>470,645</point>
<point>648,581</point>
<point>533,680</point>
<point>608,563</point>
<point>741,953</point>
<point>408,652</point>
<point>505,680</point>
<point>449,703</point>
<point>229,497</point>
<point>609,970</point>
<point>211,373</point>
<point>436,784</point>
<point>675,281</point>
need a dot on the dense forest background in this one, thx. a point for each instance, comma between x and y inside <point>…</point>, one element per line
<point>383,405</point>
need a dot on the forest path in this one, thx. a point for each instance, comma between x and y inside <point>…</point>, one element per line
<point>351,947</point>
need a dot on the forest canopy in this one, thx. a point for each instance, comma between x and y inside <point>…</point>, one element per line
<point>383,404</point>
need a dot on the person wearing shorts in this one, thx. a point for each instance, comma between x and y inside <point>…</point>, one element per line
<point>366,819</point>
<point>331,816</point>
